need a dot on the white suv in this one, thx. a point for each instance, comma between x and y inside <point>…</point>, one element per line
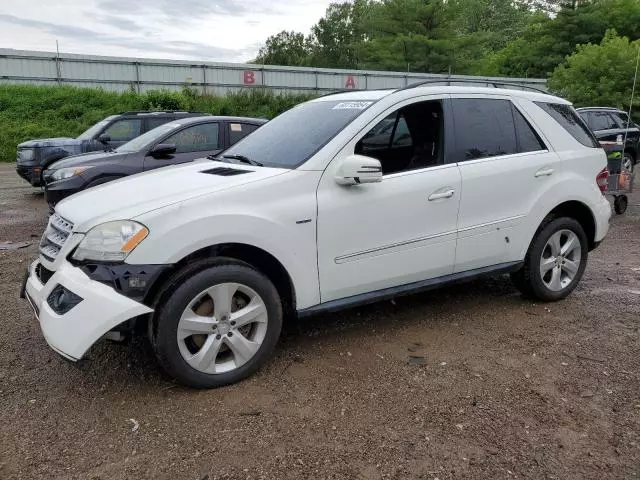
<point>343,200</point>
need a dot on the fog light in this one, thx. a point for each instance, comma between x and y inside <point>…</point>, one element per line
<point>62,300</point>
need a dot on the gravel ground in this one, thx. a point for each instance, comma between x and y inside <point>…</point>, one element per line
<point>508,389</point>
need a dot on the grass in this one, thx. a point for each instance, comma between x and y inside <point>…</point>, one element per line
<point>29,112</point>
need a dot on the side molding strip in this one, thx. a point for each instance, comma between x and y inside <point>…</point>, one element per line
<point>421,286</point>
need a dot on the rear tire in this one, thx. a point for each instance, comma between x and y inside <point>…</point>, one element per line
<point>555,261</point>
<point>620,204</point>
<point>216,324</point>
<point>628,162</point>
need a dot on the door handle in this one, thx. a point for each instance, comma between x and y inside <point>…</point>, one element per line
<point>445,194</point>
<point>545,172</point>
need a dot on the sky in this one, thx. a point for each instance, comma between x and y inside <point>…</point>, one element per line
<point>213,30</point>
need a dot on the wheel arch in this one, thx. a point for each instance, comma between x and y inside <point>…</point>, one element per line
<point>256,257</point>
<point>102,179</point>
<point>633,152</point>
<point>578,211</point>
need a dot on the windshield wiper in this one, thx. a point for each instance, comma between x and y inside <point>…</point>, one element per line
<point>242,159</point>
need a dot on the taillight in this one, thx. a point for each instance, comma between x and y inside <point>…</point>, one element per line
<point>602,179</point>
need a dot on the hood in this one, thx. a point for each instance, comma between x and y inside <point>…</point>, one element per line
<point>50,142</point>
<point>93,158</point>
<point>133,196</point>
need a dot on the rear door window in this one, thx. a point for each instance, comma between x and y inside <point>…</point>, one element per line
<point>602,121</point>
<point>569,119</point>
<point>239,130</point>
<point>153,122</point>
<point>124,130</point>
<point>484,128</point>
<point>622,119</point>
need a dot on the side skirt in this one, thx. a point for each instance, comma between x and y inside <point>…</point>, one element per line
<point>421,286</point>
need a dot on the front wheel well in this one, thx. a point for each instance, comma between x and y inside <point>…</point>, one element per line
<point>581,213</point>
<point>257,258</point>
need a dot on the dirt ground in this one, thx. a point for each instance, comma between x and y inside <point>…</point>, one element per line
<point>508,389</point>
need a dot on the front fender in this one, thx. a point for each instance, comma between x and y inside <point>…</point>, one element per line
<point>291,243</point>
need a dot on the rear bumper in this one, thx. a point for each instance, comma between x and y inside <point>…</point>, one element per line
<point>31,174</point>
<point>101,309</point>
<point>602,215</point>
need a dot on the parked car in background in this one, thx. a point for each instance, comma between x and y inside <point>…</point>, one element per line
<point>608,124</point>
<point>34,156</point>
<point>179,141</point>
<point>304,216</point>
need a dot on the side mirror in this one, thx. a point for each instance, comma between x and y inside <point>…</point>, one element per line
<point>357,169</point>
<point>163,149</point>
<point>104,138</point>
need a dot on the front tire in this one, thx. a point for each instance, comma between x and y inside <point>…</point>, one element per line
<point>555,262</point>
<point>218,325</point>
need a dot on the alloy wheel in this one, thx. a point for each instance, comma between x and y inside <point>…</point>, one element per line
<point>222,328</point>
<point>560,260</point>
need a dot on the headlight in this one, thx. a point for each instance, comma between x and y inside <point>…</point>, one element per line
<point>111,241</point>
<point>64,173</point>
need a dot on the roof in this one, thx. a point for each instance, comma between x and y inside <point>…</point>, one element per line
<point>355,95</point>
<point>373,95</point>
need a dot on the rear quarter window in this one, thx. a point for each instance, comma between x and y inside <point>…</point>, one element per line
<point>569,119</point>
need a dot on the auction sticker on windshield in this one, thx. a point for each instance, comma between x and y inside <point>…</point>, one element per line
<point>352,106</point>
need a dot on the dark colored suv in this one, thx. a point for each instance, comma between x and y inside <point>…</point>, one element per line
<point>34,156</point>
<point>176,142</point>
<point>608,124</point>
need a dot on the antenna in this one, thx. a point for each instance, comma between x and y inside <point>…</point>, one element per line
<point>633,91</point>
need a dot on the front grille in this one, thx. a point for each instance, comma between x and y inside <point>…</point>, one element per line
<point>53,238</point>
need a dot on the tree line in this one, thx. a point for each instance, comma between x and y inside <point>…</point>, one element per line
<point>586,48</point>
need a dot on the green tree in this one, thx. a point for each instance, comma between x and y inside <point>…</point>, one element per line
<point>415,35</point>
<point>284,48</point>
<point>336,38</point>
<point>599,74</point>
<point>546,41</point>
<point>483,27</point>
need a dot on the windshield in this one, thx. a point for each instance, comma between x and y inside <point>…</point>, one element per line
<point>147,139</point>
<point>95,129</point>
<point>292,138</point>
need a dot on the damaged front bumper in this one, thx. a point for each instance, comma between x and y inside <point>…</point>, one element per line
<point>31,173</point>
<point>74,310</point>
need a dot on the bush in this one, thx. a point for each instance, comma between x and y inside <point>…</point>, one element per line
<point>28,111</point>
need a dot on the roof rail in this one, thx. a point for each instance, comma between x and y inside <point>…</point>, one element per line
<point>137,112</point>
<point>614,109</point>
<point>494,83</point>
